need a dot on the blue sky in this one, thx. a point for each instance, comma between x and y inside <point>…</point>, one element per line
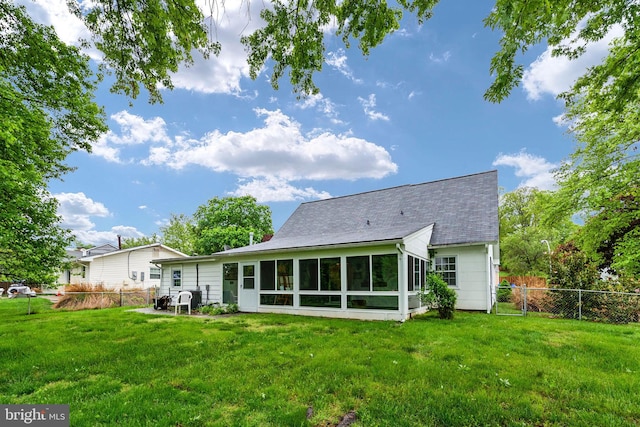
<point>411,112</point>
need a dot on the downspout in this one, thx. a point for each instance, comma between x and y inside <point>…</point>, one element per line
<point>402,279</point>
<point>489,275</point>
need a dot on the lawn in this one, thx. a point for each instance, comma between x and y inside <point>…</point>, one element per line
<point>115,366</point>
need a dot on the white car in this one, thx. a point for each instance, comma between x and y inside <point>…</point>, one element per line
<point>20,290</point>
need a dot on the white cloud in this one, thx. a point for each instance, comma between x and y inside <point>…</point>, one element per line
<point>76,210</point>
<point>274,189</point>
<point>338,60</point>
<point>321,104</point>
<point>369,105</point>
<point>536,171</point>
<point>136,130</point>
<point>554,75</point>
<point>279,149</point>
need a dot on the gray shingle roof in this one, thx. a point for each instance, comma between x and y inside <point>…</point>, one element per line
<point>463,210</point>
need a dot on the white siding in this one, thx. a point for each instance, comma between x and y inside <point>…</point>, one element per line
<point>195,276</point>
<point>471,275</point>
<point>418,242</point>
<point>116,270</point>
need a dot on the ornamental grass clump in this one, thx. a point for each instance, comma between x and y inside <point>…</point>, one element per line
<point>86,296</point>
<point>438,295</point>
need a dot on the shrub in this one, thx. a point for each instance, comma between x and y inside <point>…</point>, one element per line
<point>504,291</point>
<point>438,295</point>
<point>216,309</point>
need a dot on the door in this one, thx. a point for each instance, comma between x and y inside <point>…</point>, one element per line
<point>248,293</point>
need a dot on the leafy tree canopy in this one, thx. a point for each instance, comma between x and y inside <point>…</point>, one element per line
<point>132,242</point>
<point>179,233</point>
<point>229,221</point>
<point>525,225</point>
<point>144,41</point>
<point>46,112</point>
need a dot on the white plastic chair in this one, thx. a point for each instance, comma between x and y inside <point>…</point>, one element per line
<point>184,298</point>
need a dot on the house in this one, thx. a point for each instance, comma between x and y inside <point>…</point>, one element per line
<point>116,268</point>
<point>360,256</point>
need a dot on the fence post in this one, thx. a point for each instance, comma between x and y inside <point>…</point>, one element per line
<point>120,297</point>
<point>524,299</point>
<point>579,304</point>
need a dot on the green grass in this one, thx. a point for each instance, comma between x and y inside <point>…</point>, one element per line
<point>113,367</point>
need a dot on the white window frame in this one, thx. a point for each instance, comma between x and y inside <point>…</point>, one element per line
<point>446,273</point>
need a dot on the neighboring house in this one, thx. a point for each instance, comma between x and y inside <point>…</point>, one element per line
<point>360,256</point>
<point>114,268</point>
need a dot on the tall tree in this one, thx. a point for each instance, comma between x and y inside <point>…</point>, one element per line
<point>179,233</point>
<point>46,112</point>
<point>229,221</point>
<point>525,229</point>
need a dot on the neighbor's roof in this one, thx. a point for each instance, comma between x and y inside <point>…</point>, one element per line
<point>89,258</point>
<point>463,210</point>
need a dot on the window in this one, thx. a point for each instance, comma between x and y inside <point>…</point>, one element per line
<point>248,276</point>
<point>326,278</point>
<point>268,275</point>
<point>285,274</point>
<point>358,278</point>
<point>372,302</point>
<point>330,274</point>
<point>154,273</point>
<point>375,272</point>
<point>276,275</point>
<point>308,274</point>
<point>176,277</point>
<point>230,283</point>
<point>384,270</point>
<point>320,275</point>
<point>417,269</point>
<point>446,266</point>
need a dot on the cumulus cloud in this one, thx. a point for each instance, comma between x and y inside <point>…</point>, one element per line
<point>280,149</point>
<point>76,211</point>
<point>136,130</point>
<point>554,75</point>
<point>536,171</point>
<point>369,105</point>
<point>274,189</point>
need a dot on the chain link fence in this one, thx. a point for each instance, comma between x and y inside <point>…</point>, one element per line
<point>580,304</point>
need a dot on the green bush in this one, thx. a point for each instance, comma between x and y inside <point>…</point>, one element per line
<point>504,291</point>
<point>438,295</point>
<point>216,309</point>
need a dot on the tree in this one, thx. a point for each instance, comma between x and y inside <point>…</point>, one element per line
<point>229,221</point>
<point>132,242</point>
<point>145,41</point>
<point>179,233</point>
<point>46,112</point>
<point>524,224</point>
